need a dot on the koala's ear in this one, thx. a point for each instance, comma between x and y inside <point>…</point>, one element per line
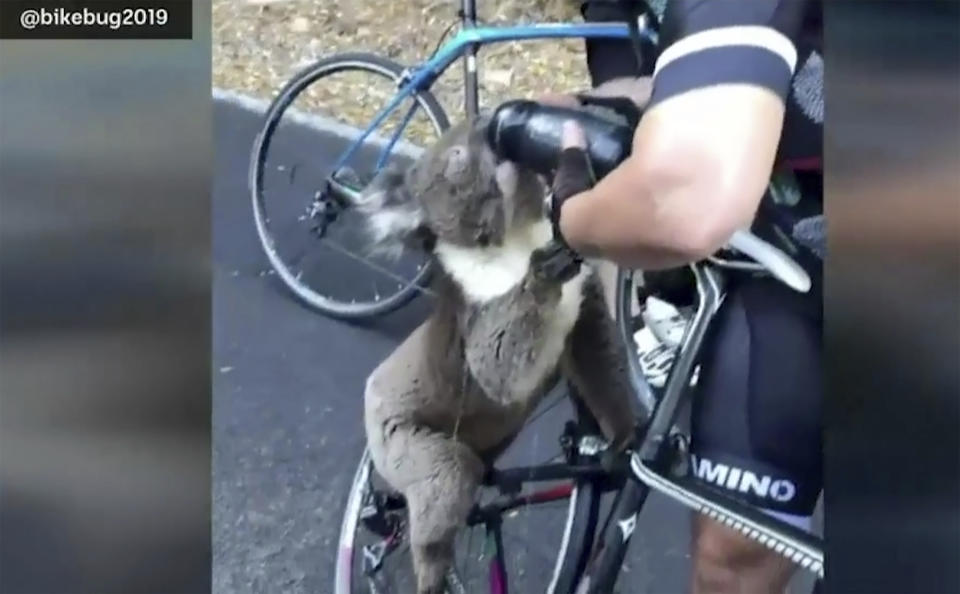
<point>393,215</point>
<point>456,163</point>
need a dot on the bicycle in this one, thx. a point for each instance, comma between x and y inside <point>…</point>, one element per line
<point>660,462</point>
<point>583,563</point>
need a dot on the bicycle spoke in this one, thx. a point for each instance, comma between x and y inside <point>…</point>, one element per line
<point>302,254</point>
<point>552,459</point>
<point>470,557</point>
<point>404,282</point>
<point>286,166</point>
<point>298,259</point>
<point>528,544</point>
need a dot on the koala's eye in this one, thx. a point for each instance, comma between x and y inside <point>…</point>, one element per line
<point>457,163</point>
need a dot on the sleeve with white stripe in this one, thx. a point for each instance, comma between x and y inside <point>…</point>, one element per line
<point>712,42</point>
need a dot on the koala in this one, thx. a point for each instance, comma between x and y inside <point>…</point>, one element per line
<point>513,314</point>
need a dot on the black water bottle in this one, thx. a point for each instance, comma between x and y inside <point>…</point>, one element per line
<point>530,134</point>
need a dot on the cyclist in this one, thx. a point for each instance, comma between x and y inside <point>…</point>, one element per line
<point>736,94</point>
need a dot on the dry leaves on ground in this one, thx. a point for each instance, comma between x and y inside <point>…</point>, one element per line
<point>258,45</point>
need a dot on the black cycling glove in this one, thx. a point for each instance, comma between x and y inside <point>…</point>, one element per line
<point>574,173</point>
<point>573,176</point>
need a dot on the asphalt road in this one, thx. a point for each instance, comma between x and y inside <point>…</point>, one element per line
<point>287,413</point>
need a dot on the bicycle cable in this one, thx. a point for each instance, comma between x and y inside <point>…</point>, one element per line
<point>442,37</point>
<point>460,17</point>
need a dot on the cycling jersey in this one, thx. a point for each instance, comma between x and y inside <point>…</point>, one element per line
<point>775,44</point>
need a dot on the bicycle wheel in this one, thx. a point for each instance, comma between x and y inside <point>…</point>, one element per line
<point>316,247</point>
<point>373,555</point>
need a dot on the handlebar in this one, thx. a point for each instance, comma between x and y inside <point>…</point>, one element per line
<point>530,134</point>
<point>774,260</point>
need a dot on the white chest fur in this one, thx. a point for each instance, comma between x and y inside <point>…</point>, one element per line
<point>487,273</point>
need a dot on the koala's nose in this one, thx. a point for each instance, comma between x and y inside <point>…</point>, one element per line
<point>483,238</point>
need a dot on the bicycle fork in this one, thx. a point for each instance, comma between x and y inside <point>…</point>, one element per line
<point>602,575</point>
<point>796,546</point>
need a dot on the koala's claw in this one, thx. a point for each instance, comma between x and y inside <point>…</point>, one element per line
<point>555,262</point>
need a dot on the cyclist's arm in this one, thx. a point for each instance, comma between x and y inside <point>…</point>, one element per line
<point>704,150</point>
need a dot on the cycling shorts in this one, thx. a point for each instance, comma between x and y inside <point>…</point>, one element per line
<point>756,411</point>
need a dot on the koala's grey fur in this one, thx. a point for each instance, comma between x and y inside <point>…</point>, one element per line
<point>457,391</point>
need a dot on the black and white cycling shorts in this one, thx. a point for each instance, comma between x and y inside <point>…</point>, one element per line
<point>756,411</point>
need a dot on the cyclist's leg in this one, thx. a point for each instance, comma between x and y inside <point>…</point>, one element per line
<point>756,428</point>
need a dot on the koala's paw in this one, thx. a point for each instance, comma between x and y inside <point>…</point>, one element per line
<point>554,263</point>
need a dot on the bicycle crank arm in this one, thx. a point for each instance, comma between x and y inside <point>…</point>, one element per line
<point>798,547</point>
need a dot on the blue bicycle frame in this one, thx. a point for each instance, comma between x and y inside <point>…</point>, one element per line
<point>465,44</point>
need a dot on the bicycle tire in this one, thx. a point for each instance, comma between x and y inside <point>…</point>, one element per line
<point>582,513</point>
<point>361,61</point>
<point>582,516</point>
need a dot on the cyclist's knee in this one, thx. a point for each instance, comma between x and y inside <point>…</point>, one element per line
<point>724,546</point>
<point>726,561</point>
